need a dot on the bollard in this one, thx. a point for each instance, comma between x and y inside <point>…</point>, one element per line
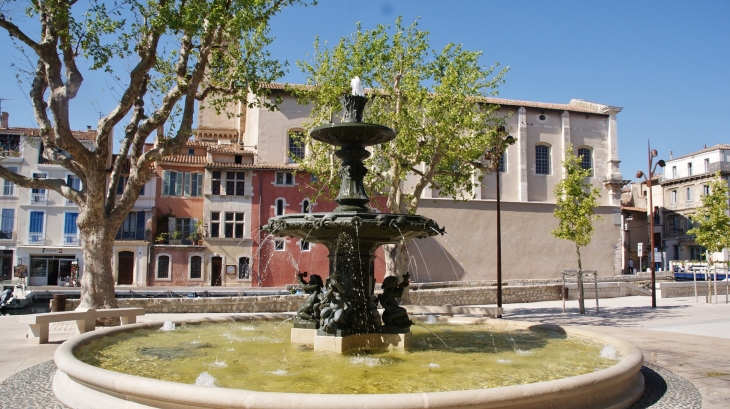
<point>59,302</point>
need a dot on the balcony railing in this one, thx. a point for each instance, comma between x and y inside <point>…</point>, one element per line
<point>35,238</point>
<point>675,232</point>
<point>713,167</point>
<point>7,234</point>
<point>136,234</point>
<point>71,239</point>
<point>38,198</point>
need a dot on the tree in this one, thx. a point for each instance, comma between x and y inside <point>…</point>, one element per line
<point>712,223</point>
<point>576,201</point>
<point>179,52</point>
<point>433,100</point>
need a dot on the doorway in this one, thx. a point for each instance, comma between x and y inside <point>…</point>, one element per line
<point>215,273</point>
<point>125,268</point>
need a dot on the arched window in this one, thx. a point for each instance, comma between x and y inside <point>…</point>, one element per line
<point>196,270</point>
<point>542,159</point>
<point>163,267</point>
<point>305,206</point>
<point>296,145</point>
<point>279,207</point>
<point>586,158</point>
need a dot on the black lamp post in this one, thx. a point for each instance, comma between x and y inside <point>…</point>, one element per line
<point>652,154</point>
<point>494,155</point>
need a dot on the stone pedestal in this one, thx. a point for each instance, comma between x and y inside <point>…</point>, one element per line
<point>341,345</point>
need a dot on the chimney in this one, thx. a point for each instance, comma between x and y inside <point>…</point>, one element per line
<point>671,154</point>
<point>5,120</point>
<point>88,127</point>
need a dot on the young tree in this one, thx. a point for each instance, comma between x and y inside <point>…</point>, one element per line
<point>576,201</point>
<point>431,99</point>
<point>180,52</point>
<point>712,222</point>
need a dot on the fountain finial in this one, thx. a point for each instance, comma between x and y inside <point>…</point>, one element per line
<point>356,85</point>
<point>354,104</point>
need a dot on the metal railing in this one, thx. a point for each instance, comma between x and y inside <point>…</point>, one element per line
<point>71,239</point>
<point>35,238</point>
<point>723,167</point>
<point>38,198</point>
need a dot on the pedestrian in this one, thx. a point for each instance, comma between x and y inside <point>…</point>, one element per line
<point>631,266</point>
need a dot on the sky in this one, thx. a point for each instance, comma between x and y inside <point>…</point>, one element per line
<point>667,63</point>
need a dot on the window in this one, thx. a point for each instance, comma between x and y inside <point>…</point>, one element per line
<point>215,187</point>
<point>38,196</point>
<point>8,224</point>
<point>697,253</point>
<point>235,183</point>
<point>296,146</point>
<point>185,226</point>
<point>707,165</point>
<point>705,190</point>
<point>10,142</point>
<point>313,178</point>
<point>133,227</point>
<point>163,267</point>
<point>234,225</point>
<point>42,159</point>
<point>304,245</point>
<point>305,206</point>
<point>689,169</point>
<point>70,230</point>
<point>284,178</point>
<point>244,270</point>
<point>215,224</point>
<point>181,183</point>
<point>279,244</point>
<point>586,160</point>
<point>542,160</point>
<point>35,228</point>
<point>238,159</point>
<point>673,197</point>
<point>196,263</point>
<point>674,222</point>
<point>674,172</point>
<point>689,194</point>
<point>73,182</point>
<point>279,207</point>
<point>502,160</point>
<point>191,151</point>
<point>122,184</point>
<point>8,186</point>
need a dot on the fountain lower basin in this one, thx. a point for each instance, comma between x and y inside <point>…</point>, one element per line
<point>81,385</point>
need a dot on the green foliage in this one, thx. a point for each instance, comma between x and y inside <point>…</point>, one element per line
<point>576,201</point>
<point>431,99</point>
<point>712,223</point>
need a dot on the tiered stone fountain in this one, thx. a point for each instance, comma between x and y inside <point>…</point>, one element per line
<point>342,313</point>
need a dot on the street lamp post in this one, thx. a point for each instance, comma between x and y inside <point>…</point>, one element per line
<point>494,155</point>
<point>652,154</point>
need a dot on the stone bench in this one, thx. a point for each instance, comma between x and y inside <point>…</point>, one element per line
<point>38,324</point>
<point>450,310</point>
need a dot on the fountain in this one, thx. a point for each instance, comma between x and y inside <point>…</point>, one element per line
<point>341,315</point>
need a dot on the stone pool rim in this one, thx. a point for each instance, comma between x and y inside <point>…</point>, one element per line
<point>81,385</point>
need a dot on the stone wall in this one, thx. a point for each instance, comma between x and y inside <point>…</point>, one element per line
<point>687,289</point>
<point>485,295</point>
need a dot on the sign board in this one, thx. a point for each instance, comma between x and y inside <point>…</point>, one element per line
<point>641,249</point>
<point>20,271</point>
<point>657,256</point>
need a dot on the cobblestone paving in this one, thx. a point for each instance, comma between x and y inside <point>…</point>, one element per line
<point>31,389</point>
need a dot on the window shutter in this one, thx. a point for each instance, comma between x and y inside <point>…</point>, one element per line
<point>36,222</point>
<point>70,225</point>
<point>193,223</point>
<point>170,224</point>
<point>199,177</point>
<point>166,182</point>
<point>178,184</point>
<point>187,184</point>
<point>8,220</point>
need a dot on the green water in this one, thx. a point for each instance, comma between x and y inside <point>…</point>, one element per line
<point>257,355</point>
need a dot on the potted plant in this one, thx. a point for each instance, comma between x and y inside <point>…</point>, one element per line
<point>176,237</point>
<point>161,238</point>
<point>194,237</point>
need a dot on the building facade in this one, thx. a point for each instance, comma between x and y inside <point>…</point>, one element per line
<point>683,184</point>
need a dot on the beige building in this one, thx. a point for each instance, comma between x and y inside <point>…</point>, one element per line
<point>532,168</point>
<point>683,184</point>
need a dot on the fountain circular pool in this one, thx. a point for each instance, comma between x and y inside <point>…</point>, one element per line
<point>251,363</point>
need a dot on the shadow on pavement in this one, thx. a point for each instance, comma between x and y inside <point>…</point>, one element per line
<point>619,317</point>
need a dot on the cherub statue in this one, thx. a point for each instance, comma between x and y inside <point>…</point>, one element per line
<point>334,307</point>
<point>309,311</point>
<point>395,317</point>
